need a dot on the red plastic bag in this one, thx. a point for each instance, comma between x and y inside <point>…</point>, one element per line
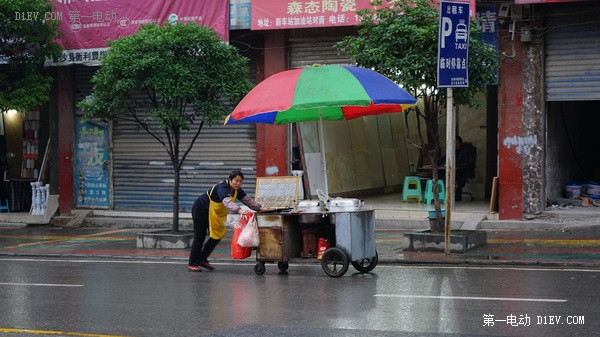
<point>238,252</point>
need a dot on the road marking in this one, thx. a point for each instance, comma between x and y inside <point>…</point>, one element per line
<point>548,242</point>
<point>60,238</point>
<point>476,298</point>
<point>40,284</point>
<point>504,268</point>
<point>56,333</point>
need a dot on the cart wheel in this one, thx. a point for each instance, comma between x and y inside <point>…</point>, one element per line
<point>366,265</point>
<point>334,262</point>
<point>283,265</point>
<point>259,268</point>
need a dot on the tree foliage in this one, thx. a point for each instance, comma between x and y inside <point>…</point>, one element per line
<point>169,79</point>
<point>400,40</point>
<point>25,43</point>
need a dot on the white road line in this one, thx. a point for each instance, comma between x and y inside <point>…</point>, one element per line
<point>41,284</point>
<point>476,298</point>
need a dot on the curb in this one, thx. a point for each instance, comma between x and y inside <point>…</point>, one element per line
<point>388,261</point>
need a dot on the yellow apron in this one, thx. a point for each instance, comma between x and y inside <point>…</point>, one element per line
<point>217,215</point>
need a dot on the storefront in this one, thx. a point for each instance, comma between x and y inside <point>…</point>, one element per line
<point>23,140</point>
<point>572,92</point>
<point>117,166</point>
<point>113,165</point>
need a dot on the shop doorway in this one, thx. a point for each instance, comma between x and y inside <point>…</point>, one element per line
<point>571,146</point>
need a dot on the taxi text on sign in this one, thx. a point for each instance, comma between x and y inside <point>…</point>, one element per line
<point>453,45</point>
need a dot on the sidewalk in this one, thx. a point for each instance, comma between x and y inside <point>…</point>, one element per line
<point>571,247</point>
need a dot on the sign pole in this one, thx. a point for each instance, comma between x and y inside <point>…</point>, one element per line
<point>453,53</point>
<point>450,165</point>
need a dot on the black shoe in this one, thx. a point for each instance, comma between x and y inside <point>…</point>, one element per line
<point>205,264</point>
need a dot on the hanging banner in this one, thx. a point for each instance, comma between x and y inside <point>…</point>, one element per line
<point>91,164</point>
<point>86,25</point>
<point>453,45</point>
<point>291,14</point>
<point>282,14</point>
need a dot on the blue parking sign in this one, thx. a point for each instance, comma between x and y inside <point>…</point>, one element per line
<point>453,45</point>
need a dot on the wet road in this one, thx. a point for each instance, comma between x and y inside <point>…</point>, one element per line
<point>161,298</point>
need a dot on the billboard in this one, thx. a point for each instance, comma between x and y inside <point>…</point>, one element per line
<point>87,24</point>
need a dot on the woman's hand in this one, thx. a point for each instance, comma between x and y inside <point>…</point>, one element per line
<point>264,209</point>
<point>242,211</point>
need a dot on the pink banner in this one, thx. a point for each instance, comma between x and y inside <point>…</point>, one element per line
<point>291,14</point>
<point>87,24</point>
<point>525,2</point>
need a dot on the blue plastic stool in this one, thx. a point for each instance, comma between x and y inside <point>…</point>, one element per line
<point>5,208</point>
<point>429,191</point>
<point>412,189</point>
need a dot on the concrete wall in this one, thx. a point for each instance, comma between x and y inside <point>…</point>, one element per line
<point>533,128</point>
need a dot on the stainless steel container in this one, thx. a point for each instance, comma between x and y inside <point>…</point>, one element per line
<point>345,204</point>
<point>311,206</point>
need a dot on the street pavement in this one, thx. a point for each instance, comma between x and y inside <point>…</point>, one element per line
<point>561,247</point>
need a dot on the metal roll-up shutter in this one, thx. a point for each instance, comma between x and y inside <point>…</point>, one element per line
<point>307,47</point>
<point>143,174</point>
<point>573,54</point>
<point>83,85</point>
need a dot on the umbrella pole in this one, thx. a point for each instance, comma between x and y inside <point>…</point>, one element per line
<point>322,140</point>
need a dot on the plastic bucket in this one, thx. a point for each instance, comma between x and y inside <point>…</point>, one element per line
<point>593,190</point>
<point>573,190</point>
<point>432,214</point>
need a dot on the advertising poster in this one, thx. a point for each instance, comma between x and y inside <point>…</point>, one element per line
<point>91,164</point>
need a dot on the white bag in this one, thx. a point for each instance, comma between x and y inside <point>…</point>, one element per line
<point>249,235</point>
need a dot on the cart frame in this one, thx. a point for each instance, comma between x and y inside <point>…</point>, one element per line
<point>352,234</point>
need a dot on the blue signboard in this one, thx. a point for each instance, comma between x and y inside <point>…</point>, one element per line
<point>488,23</point>
<point>453,46</point>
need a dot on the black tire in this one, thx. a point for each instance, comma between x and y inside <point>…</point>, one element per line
<point>283,265</point>
<point>259,268</point>
<point>334,262</point>
<point>366,265</point>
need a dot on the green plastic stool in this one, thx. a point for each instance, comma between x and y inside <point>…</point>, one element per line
<point>412,189</point>
<point>429,191</point>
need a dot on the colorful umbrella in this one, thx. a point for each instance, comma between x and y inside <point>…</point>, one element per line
<point>320,92</point>
<point>332,92</point>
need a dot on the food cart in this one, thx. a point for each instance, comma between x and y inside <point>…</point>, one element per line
<point>290,234</point>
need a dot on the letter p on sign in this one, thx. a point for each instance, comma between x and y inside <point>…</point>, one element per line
<point>446,30</point>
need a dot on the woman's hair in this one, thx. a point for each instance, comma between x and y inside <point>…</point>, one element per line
<point>236,173</point>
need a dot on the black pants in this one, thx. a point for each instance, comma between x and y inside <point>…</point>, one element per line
<point>461,176</point>
<point>198,253</point>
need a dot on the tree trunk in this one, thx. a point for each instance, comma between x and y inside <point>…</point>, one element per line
<point>175,228</point>
<point>431,121</point>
